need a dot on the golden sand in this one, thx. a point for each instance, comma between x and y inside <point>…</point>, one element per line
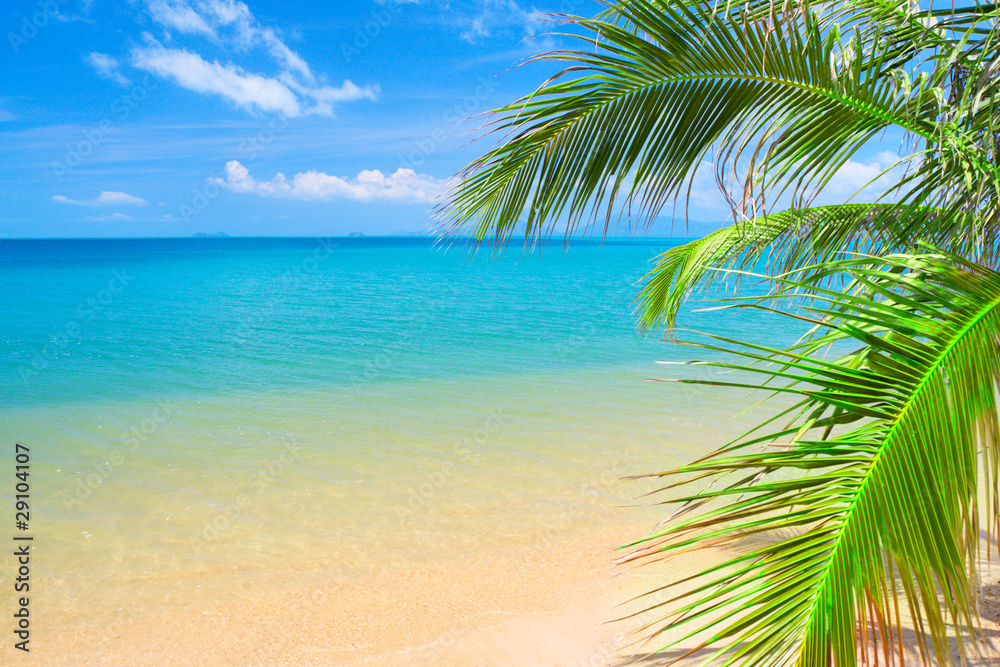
<point>546,605</point>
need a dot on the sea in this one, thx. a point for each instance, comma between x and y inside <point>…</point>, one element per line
<point>214,417</point>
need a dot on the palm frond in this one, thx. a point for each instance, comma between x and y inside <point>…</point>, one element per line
<point>786,240</point>
<point>878,485</point>
<point>800,237</point>
<point>625,127</point>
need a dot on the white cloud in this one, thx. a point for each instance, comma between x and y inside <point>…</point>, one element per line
<point>293,91</point>
<point>251,91</point>
<point>110,217</point>
<point>72,18</point>
<point>106,198</point>
<point>324,97</point>
<point>863,181</point>
<point>211,17</point>
<point>501,16</point>
<point>477,29</point>
<point>238,16</point>
<point>180,16</point>
<point>107,67</point>
<point>402,185</point>
<point>705,191</point>
<point>194,73</point>
<point>535,20</point>
<point>859,181</point>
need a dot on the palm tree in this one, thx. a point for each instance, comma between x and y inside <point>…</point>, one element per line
<point>871,502</point>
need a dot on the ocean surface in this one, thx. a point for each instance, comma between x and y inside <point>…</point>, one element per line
<point>213,417</point>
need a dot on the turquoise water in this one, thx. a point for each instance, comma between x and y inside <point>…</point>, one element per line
<point>131,319</point>
<point>208,416</point>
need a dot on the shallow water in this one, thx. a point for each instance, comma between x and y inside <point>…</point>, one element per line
<point>209,417</point>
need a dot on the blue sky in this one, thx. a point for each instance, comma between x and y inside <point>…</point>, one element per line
<point>171,117</point>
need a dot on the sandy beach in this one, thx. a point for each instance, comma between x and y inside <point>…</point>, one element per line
<point>545,606</point>
<point>533,605</point>
<point>369,333</point>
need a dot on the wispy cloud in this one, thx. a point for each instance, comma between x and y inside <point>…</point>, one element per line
<point>477,28</point>
<point>402,185</point>
<point>106,198</point>
<point>294,91</point>
<point>213,17</point>
<point>863,181</point>
<point>194,73</point>
<point>180,16</point>
<point>496,16</point>
<point>5,109</point>
<point>108,67</point>
<point>109,217</point>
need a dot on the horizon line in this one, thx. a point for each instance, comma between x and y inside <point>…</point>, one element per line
<point>211,237</point>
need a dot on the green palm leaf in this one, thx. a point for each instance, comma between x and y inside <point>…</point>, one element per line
<point>787,239</point>
<point>798,237</point>
<point>879,484</point>
<point>795,88</point>
<point>669,81</point>
<point>888,505</point>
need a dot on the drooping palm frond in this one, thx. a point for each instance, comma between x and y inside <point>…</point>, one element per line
<point>876,478</point>
<point>799,237</point>
<point>791,89</point>
<point>627,126</point>
<point>787,239</point>
<point>879,483</point>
